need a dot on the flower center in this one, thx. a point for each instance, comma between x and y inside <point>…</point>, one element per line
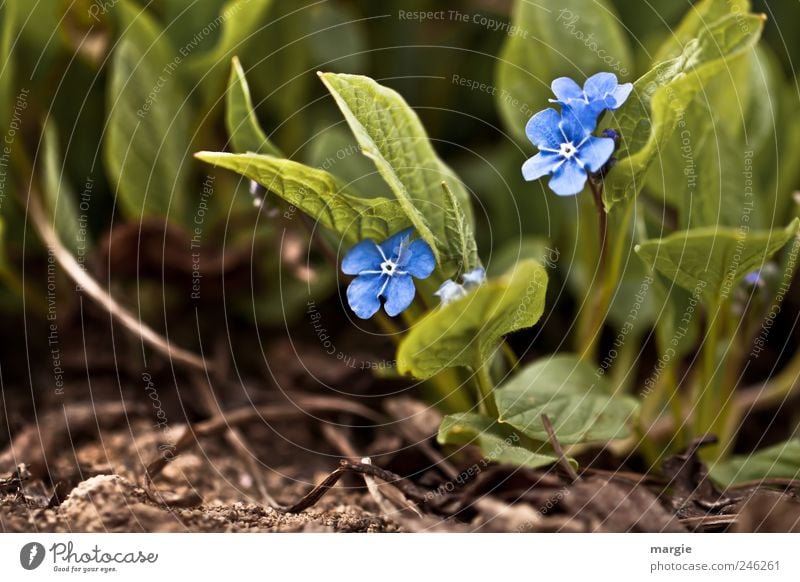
<point>388,267</point>
<point>567,150</point>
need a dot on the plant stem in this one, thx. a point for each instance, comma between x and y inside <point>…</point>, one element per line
<point>602,216</point>
<point>707,394</point>
<point>609,262</point>
<point>511,357</point>
<point>485,387</point>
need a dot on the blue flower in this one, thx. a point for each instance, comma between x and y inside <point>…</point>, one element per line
<point>600,92</point>
<point>385,271</point>
<point>754,279</point>
<point>567,150</point>
<point>450,291</point>
<point>474,278</point>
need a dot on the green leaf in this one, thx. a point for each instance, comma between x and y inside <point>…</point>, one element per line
<point>715,141</point>
<point>568,390</point>
<point>575,39</point>
<point>7,64</point>
<point>336,35</point>
<point>712,261</point>
<point>334,149</point>
<point>468,330</point>
<point>781,461</point>
<point>239,20</point>
<point>59,197</point>
<point>497,442</point>
<point>318,194</point>
<point>698,18</point>
<point>390,133</point>
<point>660,97</point>
<point>243,128</point>
<point>460,231</point>
<point>148,129</point>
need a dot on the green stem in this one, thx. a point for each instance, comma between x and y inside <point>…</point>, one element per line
<point>707,397</point>
<point>485,388</point>
<point>609,264</point>
<point>511,357</point>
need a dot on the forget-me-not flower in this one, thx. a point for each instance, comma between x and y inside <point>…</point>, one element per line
<point>754,279</point>
<point>450,291</point>
<point>385,271</point>
<point>567,150</point>
<point>600,92</point>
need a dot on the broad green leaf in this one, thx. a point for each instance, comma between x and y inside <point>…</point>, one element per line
<point>59,197</point>
<point>239,21</point>
<point>573,38</point>
<point>718,147</point>
<point>318,194</point>
<point>780,461</point>
<point>711,262</point>
<point>334,149</point>
<point>698,18</point>
<point>467,331</point>
<point>390,133</point>
<point>576,399</point>
<point>148,131</point>
<point>243,128</point>
<point>660,98</point>
<point>183,21</point>
<point>497,442</point>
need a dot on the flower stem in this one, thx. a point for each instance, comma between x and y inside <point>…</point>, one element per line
<point>707,395</point>
<point>485,387</point>
<point>602,216</point>
<point>608,267</point>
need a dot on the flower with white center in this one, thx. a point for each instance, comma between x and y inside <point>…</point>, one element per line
<point>384,272</point>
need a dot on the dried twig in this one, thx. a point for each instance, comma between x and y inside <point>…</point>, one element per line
<point>13,483</point>
<point>559,450</point>
<point>129,321</point>
<point>408,489</point>
<point>269,412</point>
<point>388,497</point>
<point>233,435</point>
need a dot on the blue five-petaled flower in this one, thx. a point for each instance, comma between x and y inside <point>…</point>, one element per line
<point>385,271</point>
<point>567,149</point>
<point>600,92</point>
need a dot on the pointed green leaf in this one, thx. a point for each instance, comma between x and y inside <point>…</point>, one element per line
<point>468,330</point>
<point>148,130</point>
<point>698,18</point>
<point>59,197</point>
<point>660,98</point>
<point>568,390</point>
<point>459,231</point>
<point>244,131</point>
<point>712,261</point>
<point>318,194</point>
<point>390,133</point>
<point>238,21</point>
<point>778,461</point>
<point>573,38</point>
<point>497,442</point>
